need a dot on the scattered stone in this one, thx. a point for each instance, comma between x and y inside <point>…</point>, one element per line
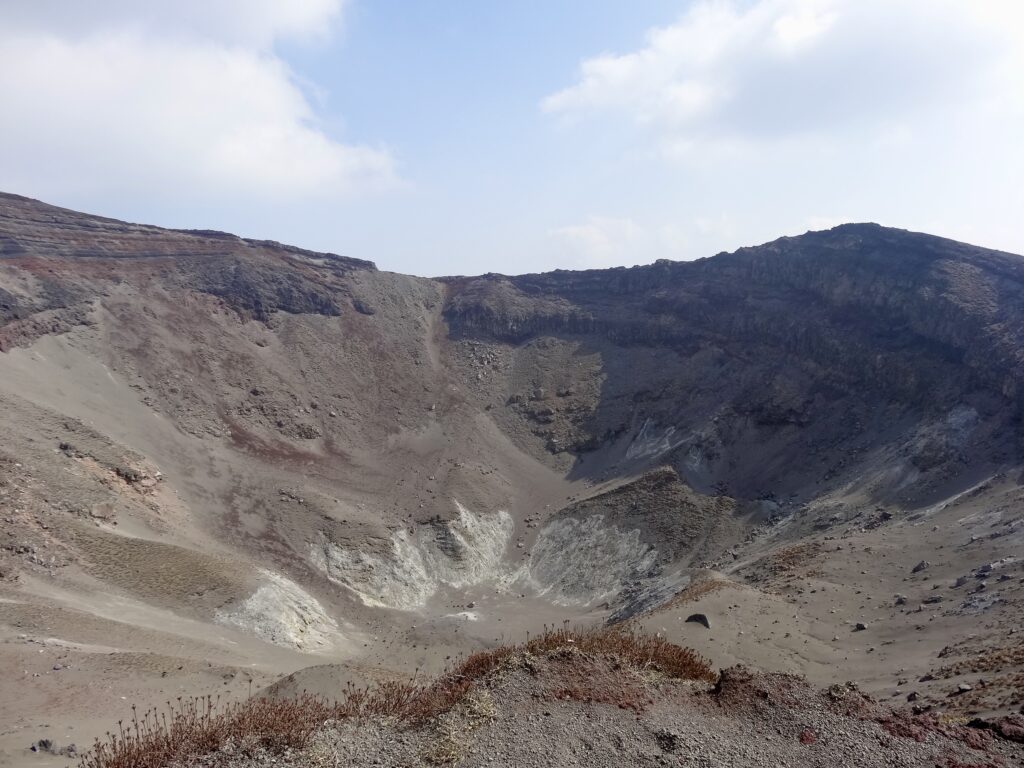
<point>128,474</point>
<point>699,618</point>
<point>48,746</point>
<point>924,564</point>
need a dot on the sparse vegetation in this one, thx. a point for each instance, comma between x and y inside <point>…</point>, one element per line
<point>987,660</point>
<point>695,591</point>
<point>790,561</point>
<point>200,726</point>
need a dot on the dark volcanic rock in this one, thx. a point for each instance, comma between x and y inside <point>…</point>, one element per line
<point>255,277</point>
<point>909,315</point>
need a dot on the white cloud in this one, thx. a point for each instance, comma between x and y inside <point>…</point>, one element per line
<point>769,69</point>
<point>242,22</point>
<point>748,119</point>
<point>600,242</point>
<point>169,99</point>
<point>603,241</point>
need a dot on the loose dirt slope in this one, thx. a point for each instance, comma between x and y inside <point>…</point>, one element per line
<point>227,460</point>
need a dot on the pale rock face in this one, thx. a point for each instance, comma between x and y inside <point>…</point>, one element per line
<point>573,562</point>
<point>461,553</point>
<point>282,613</point>
<point>583,562</point>
<point>650,442</point>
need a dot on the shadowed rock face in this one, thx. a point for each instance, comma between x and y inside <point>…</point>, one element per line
<point>906,315</point>
<point>790,348</point>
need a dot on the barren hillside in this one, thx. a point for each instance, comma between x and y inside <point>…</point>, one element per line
<point>229,463</point>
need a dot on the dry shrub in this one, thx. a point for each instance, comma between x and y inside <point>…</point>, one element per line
<point>640,651</point>
<point>195,727</point>
<point>202,725</point>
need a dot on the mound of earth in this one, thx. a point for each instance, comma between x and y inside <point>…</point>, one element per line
<point>570,707</point>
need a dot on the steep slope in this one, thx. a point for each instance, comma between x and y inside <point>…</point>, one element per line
<point>239,453</point>
<point>792,347</point>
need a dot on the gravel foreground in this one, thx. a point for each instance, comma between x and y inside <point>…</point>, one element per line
<point>569,709</point>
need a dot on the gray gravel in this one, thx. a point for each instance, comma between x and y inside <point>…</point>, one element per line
<point>751,719</point>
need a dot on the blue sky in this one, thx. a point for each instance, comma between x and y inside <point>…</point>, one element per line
<point>466,137</point>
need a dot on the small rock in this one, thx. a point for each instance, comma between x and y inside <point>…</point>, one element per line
<point>45,745</point>
<point>699,618</point>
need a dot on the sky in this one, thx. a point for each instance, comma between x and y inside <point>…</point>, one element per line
<point>463,137</point>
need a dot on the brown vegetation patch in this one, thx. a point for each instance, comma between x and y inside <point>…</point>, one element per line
<point>201,726</point>
<point>988,660</point>
<point>788,559</point>
<point>587,679</point>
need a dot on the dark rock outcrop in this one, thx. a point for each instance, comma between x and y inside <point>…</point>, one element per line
<point>905,314</point>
